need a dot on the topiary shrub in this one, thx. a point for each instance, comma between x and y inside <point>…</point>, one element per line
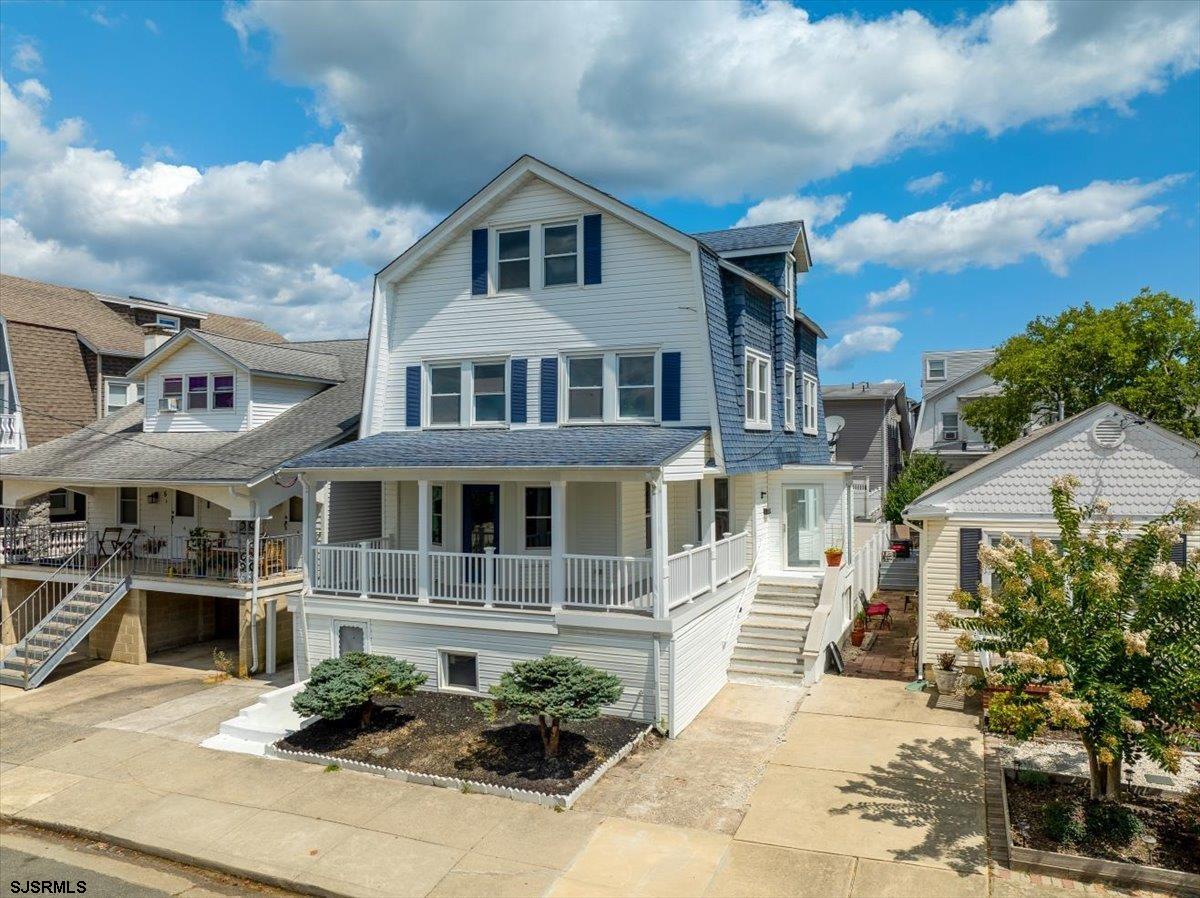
<point>341,686</point>
<point>550,690</point>
<point>1110,822</point>
<point>1061,824</point>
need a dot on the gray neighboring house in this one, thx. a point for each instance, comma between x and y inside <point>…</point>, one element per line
<point>950,380</point>
<point>876,437</point>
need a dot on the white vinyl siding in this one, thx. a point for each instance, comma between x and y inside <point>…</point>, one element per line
<point>701,652</point>
<point>272,396</point>
<point>194,359</point>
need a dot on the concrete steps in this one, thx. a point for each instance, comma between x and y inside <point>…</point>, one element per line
<point>264,723</point>
<point>770,645</point>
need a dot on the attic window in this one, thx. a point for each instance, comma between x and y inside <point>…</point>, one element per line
<point>512,260</point>
<point>560,254</point>
<point>170,322</point>
<point>789,286</point>
<point>935,369</point>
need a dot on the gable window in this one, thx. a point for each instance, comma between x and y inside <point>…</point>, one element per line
<point>172,395</point>
<point>635,386</point>
<point>721,501</point>
<point>435,516</point>
<point>488,381</point>
<point>445,394</point>
<point>935,369</point>
<point>197,392</point>
<point>758,390</point>
<point>222,391</point>
<point>810,404</point>
<point>170,322</point>
<point>512,260</point>
<point>789,397</point>
<point>560,254</point>
<point>537,517</point>
<point>128,510</point>
<point>120,392</point>
<point>585,389</point>
<point>185,504</point>
<point>950,426</point>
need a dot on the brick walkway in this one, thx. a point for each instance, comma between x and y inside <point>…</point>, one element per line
<point>889,655</point>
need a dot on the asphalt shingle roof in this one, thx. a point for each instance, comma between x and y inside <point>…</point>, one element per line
<point>732,240</point>
<point>65,308</point>
<point>116,449</point>
<point>861,390</point>
<point>614,445</point>
<point>287,359</point>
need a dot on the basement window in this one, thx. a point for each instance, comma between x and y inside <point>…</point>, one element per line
<point>460,670</point>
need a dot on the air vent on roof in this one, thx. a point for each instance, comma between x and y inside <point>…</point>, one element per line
<point>1108,433</point>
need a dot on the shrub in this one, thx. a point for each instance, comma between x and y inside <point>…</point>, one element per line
<point>1017,715</point>
<point>1060,823</point>
<point>340,686</point>
<point>550,690</point>
<point>1189,812</point>
<point>1033,778</point>
<point>921,471</point>
<point>1110,822</point>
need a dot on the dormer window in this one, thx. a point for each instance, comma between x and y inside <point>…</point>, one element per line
<point>170,322</point>
<point>789,286</point>
<point>512,255</point>
<point>222,388</point>
<point>560,255</point>
<point>758,391</point>
<point>935,369</point>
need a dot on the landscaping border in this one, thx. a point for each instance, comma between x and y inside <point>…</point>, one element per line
<point>1054,863</point>
<point>449,782</point>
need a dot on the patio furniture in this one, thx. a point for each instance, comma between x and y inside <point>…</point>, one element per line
<point>875,609</point>
<point>273,559</point>
<point>110,540</point>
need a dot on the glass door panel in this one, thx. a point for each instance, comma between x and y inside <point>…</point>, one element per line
<point>802,526</point>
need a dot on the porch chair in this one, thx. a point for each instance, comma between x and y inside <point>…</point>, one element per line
<point>110,539</point>
<point>875,609</point>
<point>273,560</point>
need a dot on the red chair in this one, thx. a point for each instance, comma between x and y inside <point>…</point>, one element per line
<point>875,609</point>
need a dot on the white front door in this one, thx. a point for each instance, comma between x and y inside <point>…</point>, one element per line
<point>802,527</point>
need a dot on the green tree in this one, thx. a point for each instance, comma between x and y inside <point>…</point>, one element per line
<point>1108,623</point>
<point>1143,354</point>
<point>351,683</point>
<point>551,690</point>
<point>921,471</point>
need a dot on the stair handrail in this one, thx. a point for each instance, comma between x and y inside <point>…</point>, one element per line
<point>38,595</point>
<point>742,611</point>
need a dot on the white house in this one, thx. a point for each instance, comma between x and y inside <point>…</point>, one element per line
<point>1139,467</point>
<point>596,436</point>
<point>949,381</point>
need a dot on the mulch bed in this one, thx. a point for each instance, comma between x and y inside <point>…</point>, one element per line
<point>442,734</point>
<point>1177,845</point>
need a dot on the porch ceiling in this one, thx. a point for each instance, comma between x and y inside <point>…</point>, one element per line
<point>602,446</point>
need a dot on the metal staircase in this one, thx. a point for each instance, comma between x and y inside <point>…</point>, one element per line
<point>60,613</point>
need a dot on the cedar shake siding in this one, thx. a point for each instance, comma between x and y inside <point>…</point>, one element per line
<point>56,377</point>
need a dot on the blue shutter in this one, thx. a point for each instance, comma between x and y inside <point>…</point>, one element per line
<point>968,558</point>
<point>671,387</point>
<point>479,261</point>
<point>591,249</point>
<point>549,397</point>
<point>412,396</point>
<point>520,389</point>
<point>1179,551</point>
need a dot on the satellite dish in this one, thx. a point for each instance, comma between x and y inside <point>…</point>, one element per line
<point>834,425</point>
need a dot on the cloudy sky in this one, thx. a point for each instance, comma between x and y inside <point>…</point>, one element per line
<point>962,167</point>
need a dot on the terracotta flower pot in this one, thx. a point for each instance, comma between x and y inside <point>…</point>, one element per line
<point>833,559</point>
<point>857,635</point>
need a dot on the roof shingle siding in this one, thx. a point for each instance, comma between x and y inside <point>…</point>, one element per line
<point>782,233</point>
<point>768,266</point>
<point>49,305</point>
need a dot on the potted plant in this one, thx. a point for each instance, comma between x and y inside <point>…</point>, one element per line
<point>946,676</point>
<point>859,629</point>
<point>833,556</point>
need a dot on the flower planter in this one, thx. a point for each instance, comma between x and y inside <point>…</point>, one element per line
<point>833,559</point>
<point>947,680</point>
<point>857,635</point>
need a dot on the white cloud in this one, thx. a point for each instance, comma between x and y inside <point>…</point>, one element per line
<point>1047,223</point>
<point>717,100</point>
<point>814,211</point>
<point>151,26</point>
<point>927,184</point>
<point>979,185</point>
<point>25,57</point>
<point>898,292</point>
<point>858,343</point>
<point>271,240</point>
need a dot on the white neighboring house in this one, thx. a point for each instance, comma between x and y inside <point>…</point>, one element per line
<point>597,436</point>
<point>1139,467</point>
<point>950,380</point>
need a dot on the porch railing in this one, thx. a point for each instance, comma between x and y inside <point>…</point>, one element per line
<point>12,431</point>
<point>603,582</point>
<point>699,569</point>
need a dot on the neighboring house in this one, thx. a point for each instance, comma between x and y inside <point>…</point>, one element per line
<point>1139,467</point>
<point>189,534</point>
<point>874,434</point>
<point>589,428</point>
<point>66,358</point>
<point>950,380</point>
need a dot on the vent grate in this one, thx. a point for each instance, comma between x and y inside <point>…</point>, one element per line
<point>1108,433</point>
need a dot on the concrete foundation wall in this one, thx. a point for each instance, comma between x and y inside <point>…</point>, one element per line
<point>174,619</point>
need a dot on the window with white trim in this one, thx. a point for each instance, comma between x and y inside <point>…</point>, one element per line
<point>197,392</point>
<point>222,391</point>
<point>445,394</point>
<point>351,637</point>
<point>460,670</point>
<point>490,400</point>
<point>512,259</point>
<point>435,514</point>
<point>789,397</point>
<point>810,404</point>
<point>724,513</point>
<point>789,285</point>
<point>172,394</point>
<point>560,254</point>
<point>120,392</point>
<point>537,517</point>
<point>127,512</point>
<point>935,369</point>
<point>950,426</point>
<point>585,388</point>
<point>635,387</point>
<point>170,322</point>
<point>758,390</point>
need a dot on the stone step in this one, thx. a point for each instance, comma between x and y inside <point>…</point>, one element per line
<point>784,614</point>
<point>788,657</point>
<point>770,639</point>
<point>786,601</point>
<point>795,677</point>
<point>796,631</point>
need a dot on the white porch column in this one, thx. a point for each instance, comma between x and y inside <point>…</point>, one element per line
<point>558,543</point>
<point>659,547</point>
<point>308,530</point>
<point>424,538</point>
<point>708,520</point>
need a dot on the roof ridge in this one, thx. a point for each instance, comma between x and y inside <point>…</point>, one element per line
<point>286,344</point>
<point>765,224</point>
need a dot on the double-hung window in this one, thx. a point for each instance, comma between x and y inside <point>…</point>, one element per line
<point>512,260</point>
<point>537,517</point>
<point>128,511</point>
<point>560,255</point>
<point>120,392</point>
<point>789,397</point>
<point>950,426</point>
<point>789,286</point>
<point>435,514</point>
<point>585,389</point>
<point>197,392</point>
<point>635,387</point>
<point>490,398</point>
<point>721,501</point>
<point>172,394</point>
<point>445,394</point>
<point>222,391</point>
<point>935,369</point>
<point>758,390</point>
<point>810,404</point>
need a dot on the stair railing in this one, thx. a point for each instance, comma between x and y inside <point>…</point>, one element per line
<point>39,603</point>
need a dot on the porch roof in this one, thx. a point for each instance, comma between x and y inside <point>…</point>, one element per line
<point>603,446</point>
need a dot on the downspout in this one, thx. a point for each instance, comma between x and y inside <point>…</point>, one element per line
<point>919,672</point>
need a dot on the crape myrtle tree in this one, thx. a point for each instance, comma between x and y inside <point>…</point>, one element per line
<point>551,690</point>
<point>350,684</point>
<point>1108,623</point>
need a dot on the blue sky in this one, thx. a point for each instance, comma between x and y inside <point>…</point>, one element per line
<point>265,160</point>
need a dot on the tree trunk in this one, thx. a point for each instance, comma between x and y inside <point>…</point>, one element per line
<point>552,749</point>
<point>1105,779</point>
<point>545,735</point>
<point>366,711</point>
